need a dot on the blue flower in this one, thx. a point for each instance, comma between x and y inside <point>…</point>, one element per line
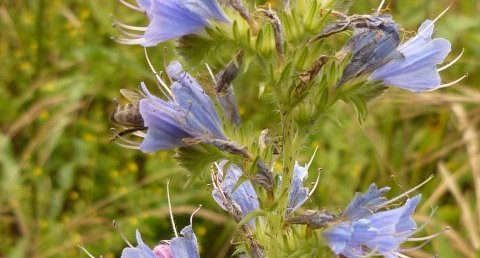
<point>189,114</point>
<point>171,19</point>
<point>371,45</point>
<point>299,194</point>
<point>417,69</point>
<point>244,196</point>
<point>366,231</point>
<point>185,247</point>
<point>141,251</point>
<point>363,204</point>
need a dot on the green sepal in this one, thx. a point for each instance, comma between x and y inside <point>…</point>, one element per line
<point>251,215</point>
<point>197,159</point>
<point>359,92</point>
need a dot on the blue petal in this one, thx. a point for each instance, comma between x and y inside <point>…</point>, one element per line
<point>186,246</point>
<point>163,131</point>
<point>298,194</point>
<point>362,204</point>
<point>170,19</point>
<point>417,71</point>
<point>190,96</point>
<point>370,48</point>
<point>406,222</point>
<point>379,233</point>
<point>338,237</point>
<point>145,5</point>
<point>141,251</point>
<point>206,8</point>
<point>244,195</point>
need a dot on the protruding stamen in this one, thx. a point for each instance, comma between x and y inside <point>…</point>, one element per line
<point>216,182</point>
<point>117,227</point>
<point>425,240</point>
<point>165,64</point>
<point>131,6</point>
<point>193,213</point>
<point>86,251</point>
<point>170,208</point>
<point>426,222</point>
<point>405,193</point>
<point>380,6</point>
<point>451,63</point>
<point>126,33</point>
<point>435,20</point>
<point>451,83</point>
<point>316,183</point>
<point>124,140</point>
<point>140,134</point>
<point>311,159</point>
<point>416,239</point>
<point>406,250</point>
<point>127,144</point>
<point>400,255</point>
<point>164,89</point>
<point>138,41</point>
<point>211,74</point>
<point>126,26</point>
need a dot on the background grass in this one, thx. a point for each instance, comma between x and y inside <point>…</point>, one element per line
<point>62,182</point>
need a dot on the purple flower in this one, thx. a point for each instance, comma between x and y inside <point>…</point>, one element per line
<point>244,196</point>
<point>366,231</point>
<point>185,247</point>
<point>189,114</point>
<point>417,69</point>
<point>171,19</point>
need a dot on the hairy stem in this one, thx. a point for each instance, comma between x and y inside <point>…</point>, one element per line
<point>288,160</point>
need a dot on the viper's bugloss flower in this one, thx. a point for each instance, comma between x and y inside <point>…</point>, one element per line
<point>299,194</point>
<point>226,194</point>
<point>163,251</point>
<point>371,45</point>
<point>169,19</point>
<point>185,246</point>
<point>188,114</point>
<point>417,70</point>
<point>365,231</point>
<point>143,251</point>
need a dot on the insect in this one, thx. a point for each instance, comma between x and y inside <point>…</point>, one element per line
<point>373,43</point>
<point>128,115</point>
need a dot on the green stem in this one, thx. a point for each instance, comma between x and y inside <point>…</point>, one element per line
<point>288,160</point>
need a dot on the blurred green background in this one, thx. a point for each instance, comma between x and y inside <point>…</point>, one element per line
<point>62,182</point>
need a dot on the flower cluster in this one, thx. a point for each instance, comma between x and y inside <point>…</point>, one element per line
<point>186,116</point>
